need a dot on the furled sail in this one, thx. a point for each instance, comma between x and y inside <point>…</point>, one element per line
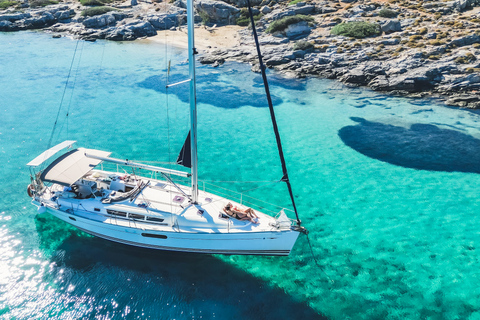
<point>185,156</point>
<point>272,113</point>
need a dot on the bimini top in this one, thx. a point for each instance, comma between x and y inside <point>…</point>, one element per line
<point>50,152</point>
<point>71,166</point>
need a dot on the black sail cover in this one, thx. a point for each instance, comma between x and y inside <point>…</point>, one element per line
<point>185,156</point>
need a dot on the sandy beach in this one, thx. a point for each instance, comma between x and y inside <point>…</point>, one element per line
<point>205,37</point>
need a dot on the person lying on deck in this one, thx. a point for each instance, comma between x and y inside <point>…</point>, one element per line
<point>247,214</point>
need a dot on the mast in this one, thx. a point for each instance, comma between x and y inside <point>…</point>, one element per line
<point>193,99</point>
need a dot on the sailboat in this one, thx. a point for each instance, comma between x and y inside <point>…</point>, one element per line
<point>153,212</point>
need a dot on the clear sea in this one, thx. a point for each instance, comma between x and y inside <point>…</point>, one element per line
<point>387,186</point>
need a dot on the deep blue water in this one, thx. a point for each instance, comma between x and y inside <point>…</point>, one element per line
<point>387,187</point>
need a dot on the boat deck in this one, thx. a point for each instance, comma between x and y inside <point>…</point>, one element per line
<point>160,206</point>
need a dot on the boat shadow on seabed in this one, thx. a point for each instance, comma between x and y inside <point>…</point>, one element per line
<point>422,146</point>
<point>152,281</point>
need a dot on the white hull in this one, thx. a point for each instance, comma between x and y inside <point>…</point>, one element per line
<point>278,243</point>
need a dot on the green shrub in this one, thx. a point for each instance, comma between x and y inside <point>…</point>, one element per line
<point>470,57</point>
<point>283,23</point>
<point>387,13</point>
<point>436,42</point>
<point>303,45</point>
<point>42,3</point>
<point>95,11</point>
<point>416,44</point>
<point>6,3</point>
<point>323,48</point>
<point>442,35</point>
<point>356,29</point>
<point>294,2</point>
<point>244,19</point>
<point>94,2</point>
<point>423,31</point>
<point>415,37</point>
<point>472,70</point>
<point>205,17</point>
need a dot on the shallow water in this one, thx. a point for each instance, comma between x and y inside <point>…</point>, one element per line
<point>387,187</point>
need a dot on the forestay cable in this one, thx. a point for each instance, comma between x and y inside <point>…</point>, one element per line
<point>71,94</point>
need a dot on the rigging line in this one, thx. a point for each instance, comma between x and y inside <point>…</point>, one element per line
<point>315,259</point>
<point>272,182</point>
<point>161,162</point>
<point>252,200</point>
<point>272,113</point>
<point>167,78</point>
<point>93,112</point>
<point>134,175</point>
<point>167,81</point>
<point>168,124</point>
<point>267,181</point>
<point>63,95</point>
<point>72,91</point>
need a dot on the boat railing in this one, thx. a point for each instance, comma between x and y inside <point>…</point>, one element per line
<point>207,186</point>
<point>244,199</point>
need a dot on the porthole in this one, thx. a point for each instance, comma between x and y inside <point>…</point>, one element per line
<point>117,213</point>
<point>151,235</point>
<point>136,216</point>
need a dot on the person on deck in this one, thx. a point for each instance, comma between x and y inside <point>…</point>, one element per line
<point>247,214</point>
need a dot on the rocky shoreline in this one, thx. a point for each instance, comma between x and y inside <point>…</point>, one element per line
<point>416,48</point>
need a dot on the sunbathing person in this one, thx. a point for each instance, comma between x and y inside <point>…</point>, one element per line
<point>240,214</point>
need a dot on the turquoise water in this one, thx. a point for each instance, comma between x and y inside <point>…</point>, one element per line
<point>387,187</point>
